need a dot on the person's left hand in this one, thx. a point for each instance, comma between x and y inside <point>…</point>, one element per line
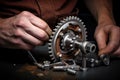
<point>108,39</point>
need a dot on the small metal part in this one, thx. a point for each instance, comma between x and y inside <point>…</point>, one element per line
<point>86,46</point>
<point>46,65</point>
<point>105,59</point>
<point>57,64</point>
<point>94,62</point>
<point>59,68</point>
<point>35,61</point>
<point>41,66</point>
<point>84,67</point>
<point>74,67</point>
<point>71,71</point>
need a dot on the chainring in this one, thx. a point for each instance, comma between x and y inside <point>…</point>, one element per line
<point>69,24</point>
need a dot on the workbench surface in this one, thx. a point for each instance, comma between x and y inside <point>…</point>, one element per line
<point>28,71</point>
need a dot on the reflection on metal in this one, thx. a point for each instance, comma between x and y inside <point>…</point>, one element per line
<point>69,49</point>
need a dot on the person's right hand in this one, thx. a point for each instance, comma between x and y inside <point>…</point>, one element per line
<point>23,31</point>
<point>108,39</point>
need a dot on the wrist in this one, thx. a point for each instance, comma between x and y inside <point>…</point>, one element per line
<point>106,20</point>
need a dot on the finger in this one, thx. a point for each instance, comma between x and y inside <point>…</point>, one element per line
<point>101,39</point>
<point>36,32</point>
<point>113,42</point>
<point>27,38</point>
<point>41,24</point>
<point>33,30</point>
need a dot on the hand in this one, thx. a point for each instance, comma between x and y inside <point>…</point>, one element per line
<point>108,39</point>
<point>23,31</point>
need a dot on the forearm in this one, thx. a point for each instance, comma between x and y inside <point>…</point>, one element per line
<point>101,10</point>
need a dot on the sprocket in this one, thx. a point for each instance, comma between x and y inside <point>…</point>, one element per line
<point>71,26</point>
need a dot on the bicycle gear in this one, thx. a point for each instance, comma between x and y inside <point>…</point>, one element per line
<point>66,32</point>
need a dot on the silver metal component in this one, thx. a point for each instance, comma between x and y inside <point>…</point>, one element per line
<point>59,68</point>
<point>35,61</point>
<point>86,46</point>
<point>46,65</point>
<point>58,64</point>
<point>71,71</point>
<point>69,38</point>
<point>105,59</point>
<point>67,41</point>
<point>74,67</point>
<point>67,24</point>
<point>84,67</point>
<point>41,66</point>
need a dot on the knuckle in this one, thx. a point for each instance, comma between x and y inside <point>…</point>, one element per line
<point>44,36</point>
<point>25,13</point>
<point>44,26</point>
<point>17,33</point>
<point>21,22</point>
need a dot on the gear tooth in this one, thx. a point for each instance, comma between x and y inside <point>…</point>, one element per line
<point>78,19</point>
<point>55,29</point>
<point>82,23</point>
<point>75,17</point>
<point>59,24</point>
<point>50,52</point>
<point>50,40</point>
<point>72,17</point>
<point>51,36</point>
<point>51,55</point>
<point>62,21</point>
<point>49,43</point>
<point>84,26</point>
<point>69,18</point>
<point>49,48</point>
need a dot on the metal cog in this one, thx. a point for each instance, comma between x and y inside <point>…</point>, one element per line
<point>70,24</point>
